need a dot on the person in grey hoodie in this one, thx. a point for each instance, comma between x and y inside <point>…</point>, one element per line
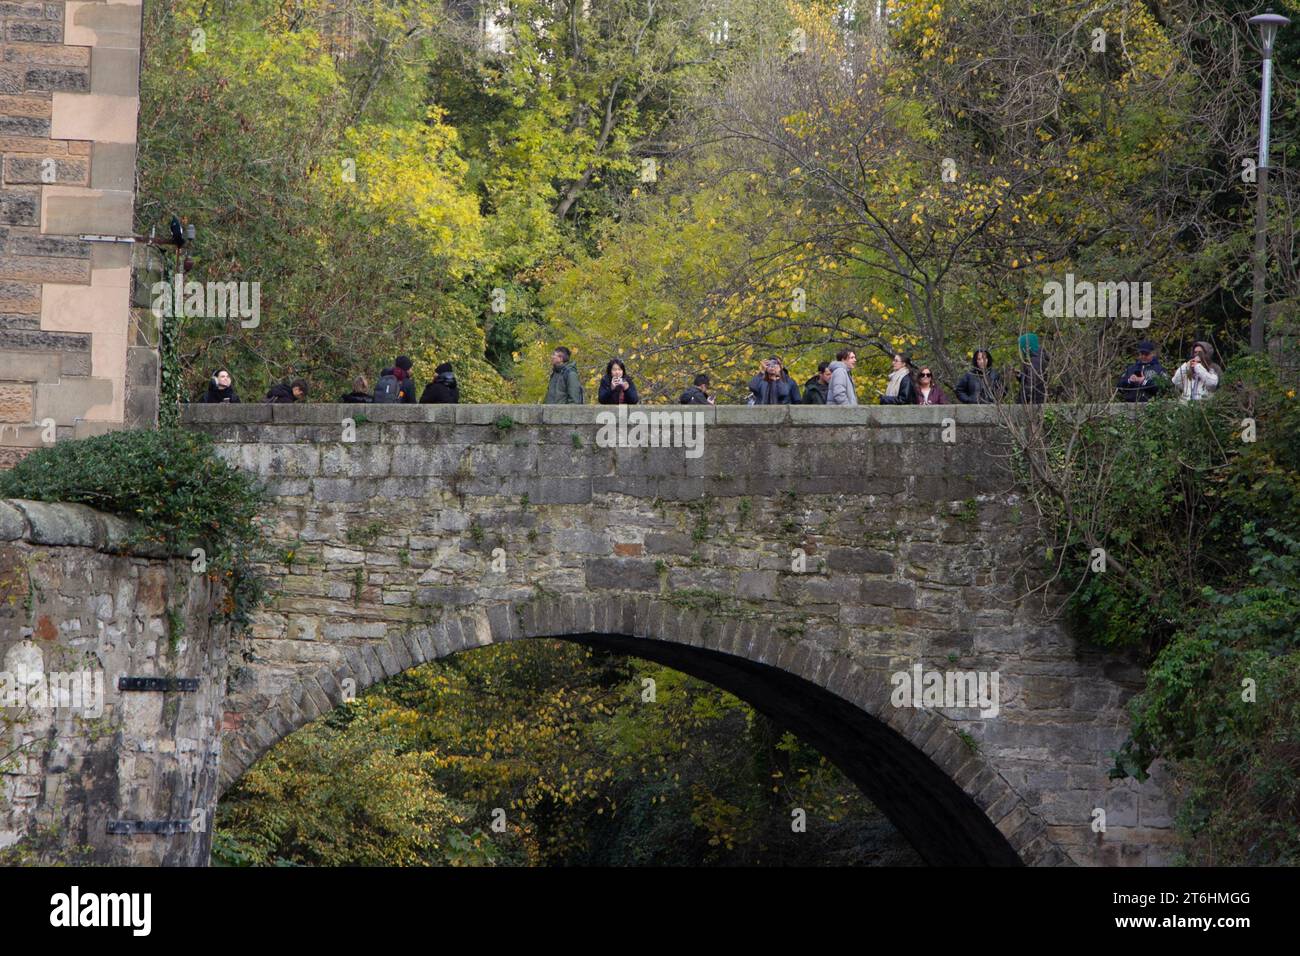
<point>841,390</point>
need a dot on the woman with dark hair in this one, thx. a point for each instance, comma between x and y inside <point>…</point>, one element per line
<point>617,388</point>
<point>220,389</point>
<point>980,385</point>
<point>928,391</point>
<point>901,389</point>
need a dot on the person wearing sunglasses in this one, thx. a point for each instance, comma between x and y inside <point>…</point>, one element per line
<point>928,391</point>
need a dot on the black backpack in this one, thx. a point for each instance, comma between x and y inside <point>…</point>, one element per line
<point>387,390</point>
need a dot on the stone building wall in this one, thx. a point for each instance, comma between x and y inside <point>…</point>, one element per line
<point>72,605</point>
<point>71,360</point>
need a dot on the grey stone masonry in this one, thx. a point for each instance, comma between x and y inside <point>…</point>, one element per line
<point>833,549</point>
<point>78,609</point>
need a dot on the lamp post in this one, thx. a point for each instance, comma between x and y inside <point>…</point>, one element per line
<point>1268,24</point>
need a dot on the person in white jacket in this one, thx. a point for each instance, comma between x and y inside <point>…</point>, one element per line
<point>841,390</point>
<point>1198,377</point>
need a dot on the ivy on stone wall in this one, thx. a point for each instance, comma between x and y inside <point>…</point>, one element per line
<point>171,391</point>
<point>171,482</point>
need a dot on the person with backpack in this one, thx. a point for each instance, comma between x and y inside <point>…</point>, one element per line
<point>286,393</point>
<point>395,384</point>
<point>564,387</point>
<point>697,394</point>
<point>443,390</point>
<point>360,394</point>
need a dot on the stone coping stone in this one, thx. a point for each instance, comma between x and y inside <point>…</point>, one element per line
<point>62,524</point>
<point>313,413</point>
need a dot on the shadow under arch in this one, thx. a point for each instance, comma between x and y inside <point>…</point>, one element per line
<point>948,801</point>
<point>943,824</point>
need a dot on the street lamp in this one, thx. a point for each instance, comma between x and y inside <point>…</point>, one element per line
<point>1268,24</point>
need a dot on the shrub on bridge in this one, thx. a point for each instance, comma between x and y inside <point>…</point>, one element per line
<point>172,484</point>
<point>1166,494</point>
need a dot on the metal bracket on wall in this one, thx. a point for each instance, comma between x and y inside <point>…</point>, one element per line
<point>164,684</point>
<point>158,827</point>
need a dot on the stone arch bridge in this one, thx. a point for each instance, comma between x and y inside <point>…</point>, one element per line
<point>801,558</point>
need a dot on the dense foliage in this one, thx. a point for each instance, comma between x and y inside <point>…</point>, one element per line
<point>172,483</point>
<point>693,186</point>
<point>1197,508</point>
<point>561,746</point>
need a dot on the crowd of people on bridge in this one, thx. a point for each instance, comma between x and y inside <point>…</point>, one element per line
<point>908,383</point>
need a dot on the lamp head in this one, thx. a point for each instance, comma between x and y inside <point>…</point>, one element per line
<point>1268,23</point>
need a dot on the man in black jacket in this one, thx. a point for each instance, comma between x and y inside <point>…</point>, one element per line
<point>814,390</point>
<point>286,393</point>
<point>1141,380</point>
<point>697,394</point>
<point>221,389</point>
<point>443,390</point>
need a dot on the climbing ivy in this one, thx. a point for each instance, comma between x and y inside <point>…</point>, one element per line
<point>171,483</point>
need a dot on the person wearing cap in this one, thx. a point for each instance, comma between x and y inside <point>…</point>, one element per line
<point>443,390</point>
<point>1198,377</point>
<point>402,371</point>
<point>1140,382</point>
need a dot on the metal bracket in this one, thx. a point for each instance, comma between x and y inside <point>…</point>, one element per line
<point>164,684</point>
<point>157,827</point>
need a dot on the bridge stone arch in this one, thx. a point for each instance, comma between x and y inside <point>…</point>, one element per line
<point>430,530</point>
<point>952,805</point>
